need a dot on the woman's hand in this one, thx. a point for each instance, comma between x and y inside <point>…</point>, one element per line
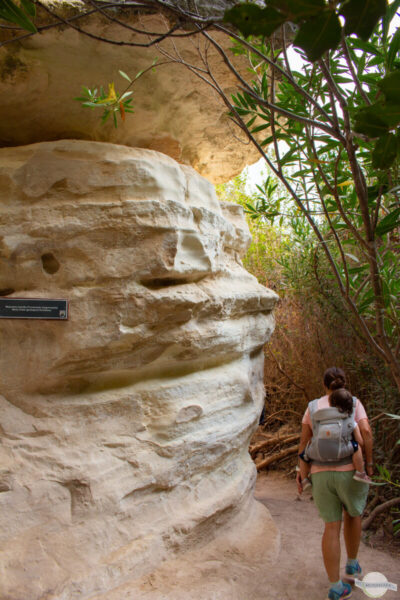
<point>370,470</point>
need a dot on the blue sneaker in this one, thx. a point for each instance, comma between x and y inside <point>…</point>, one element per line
<point>354,570</point>
<point>346,593</point>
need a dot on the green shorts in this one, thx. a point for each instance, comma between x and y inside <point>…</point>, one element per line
<point>335,490</point>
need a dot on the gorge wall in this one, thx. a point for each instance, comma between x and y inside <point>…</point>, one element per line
<point>124,430</point>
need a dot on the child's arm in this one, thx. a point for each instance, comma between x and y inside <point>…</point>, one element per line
<point>357,436</point>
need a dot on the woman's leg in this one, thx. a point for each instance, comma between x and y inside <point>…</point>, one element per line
<point>352,534</point>
<point>331,550</point>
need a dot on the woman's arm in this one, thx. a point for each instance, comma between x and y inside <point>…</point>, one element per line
<point>358,437</point>
<point>305,437</point>
<point>366,434</point>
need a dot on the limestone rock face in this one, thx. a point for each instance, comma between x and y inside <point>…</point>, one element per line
<point>176,113</point>
<point>124,470</point>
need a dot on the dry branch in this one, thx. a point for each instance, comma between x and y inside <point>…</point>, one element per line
<point>276,439</point>
<point>367,522</point>
<point>375,500</point>
<point>277,456</point>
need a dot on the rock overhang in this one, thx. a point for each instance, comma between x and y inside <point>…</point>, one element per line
<point>175,111</point>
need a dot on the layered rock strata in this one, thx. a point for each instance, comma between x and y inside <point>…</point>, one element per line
<point>124,430</point>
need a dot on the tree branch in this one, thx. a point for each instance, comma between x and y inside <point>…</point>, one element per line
<point>382,507</point>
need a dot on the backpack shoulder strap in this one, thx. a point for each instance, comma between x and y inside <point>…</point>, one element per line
<point>313,407</point>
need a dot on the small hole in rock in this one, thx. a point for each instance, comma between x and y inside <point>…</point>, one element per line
<point>50,263</point>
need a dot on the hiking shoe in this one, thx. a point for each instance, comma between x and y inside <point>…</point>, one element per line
<point>346,593</point>
<point>354,570</point>
<point>363,477</point>
<point>306,485</point>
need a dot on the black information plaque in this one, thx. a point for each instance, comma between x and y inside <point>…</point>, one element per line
<point>33,308</point>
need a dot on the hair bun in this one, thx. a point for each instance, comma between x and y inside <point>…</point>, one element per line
<point>334,378</point>
<point>337,383</point>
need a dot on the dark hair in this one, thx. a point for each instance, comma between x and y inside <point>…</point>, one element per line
<point>334,378</point>
<point>342,400</point>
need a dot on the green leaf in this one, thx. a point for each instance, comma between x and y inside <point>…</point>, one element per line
<point>378,60</point>
<point>264,85</point>
<point>393,49</point>
<point>287,158</point>
<point>364,46</point>
<point>367,300</point>
<point>253,20</point>
<point>388,223</point>
<point>12,13</point>
<point>28,7</point>
<point>375,190</point>
<point>352,257</point>
<point>267,141</point>
<point>358,270</point>
<point>369,121</point>
<point>105,116</point>
<point>125,95</point>
<point>390,13</point>
<point>251,121</point>
<point>139,73</point>
<point>385,151</point>
<point>390,113</point>
<point>319,34</point>
<point>260,128</point>
<point>296,10</point>
<point>390,86</point>
<point>362,16</point>
<point>125,76</point>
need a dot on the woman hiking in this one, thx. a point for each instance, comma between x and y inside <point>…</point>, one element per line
<point>336,493</point>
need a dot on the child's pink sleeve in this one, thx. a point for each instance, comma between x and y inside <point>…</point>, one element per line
<point>306,420</point>
<point>360,412</point>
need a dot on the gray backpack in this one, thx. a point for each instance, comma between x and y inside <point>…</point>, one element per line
<point>332,435</point>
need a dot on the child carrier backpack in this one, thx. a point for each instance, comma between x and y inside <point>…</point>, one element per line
<point>332,435</point>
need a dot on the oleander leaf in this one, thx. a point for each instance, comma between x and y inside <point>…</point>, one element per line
<point>319,34</point>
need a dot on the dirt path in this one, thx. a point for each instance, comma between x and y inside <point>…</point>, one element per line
<point>299,573</point>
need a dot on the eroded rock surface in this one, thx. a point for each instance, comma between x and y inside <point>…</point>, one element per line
<point>176,113</point>
<point>124,431</point>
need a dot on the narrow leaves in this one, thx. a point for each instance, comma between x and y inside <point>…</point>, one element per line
<point>388,223</point>
<point>9,11</point>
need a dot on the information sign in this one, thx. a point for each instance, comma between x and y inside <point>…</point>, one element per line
<point>33,308</point>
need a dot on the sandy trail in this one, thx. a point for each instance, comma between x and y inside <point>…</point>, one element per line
<point>299,573</point>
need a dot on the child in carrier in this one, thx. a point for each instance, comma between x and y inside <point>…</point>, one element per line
<point>350,440</point>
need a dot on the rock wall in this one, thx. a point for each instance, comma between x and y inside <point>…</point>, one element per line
<point>124,430</point>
